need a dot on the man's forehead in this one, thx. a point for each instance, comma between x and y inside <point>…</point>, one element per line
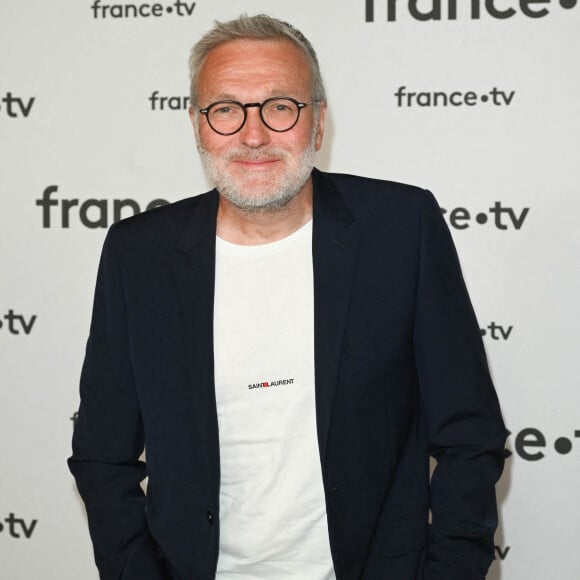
<point>271,66</point>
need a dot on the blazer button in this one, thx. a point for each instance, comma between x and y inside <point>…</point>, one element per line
<point>209,517</point>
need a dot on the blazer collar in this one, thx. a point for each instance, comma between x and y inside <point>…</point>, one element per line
<point>331,215</point>
<point>334,250</point>
<point>201,223</point>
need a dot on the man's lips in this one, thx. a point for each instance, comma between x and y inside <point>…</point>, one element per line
<point>255,162</point>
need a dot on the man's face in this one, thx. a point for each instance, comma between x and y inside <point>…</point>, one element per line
<point>257,168</point>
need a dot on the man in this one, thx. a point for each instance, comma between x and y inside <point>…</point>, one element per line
<point>290,348</point>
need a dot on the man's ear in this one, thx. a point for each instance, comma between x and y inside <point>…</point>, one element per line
<point>320,125</point>
<point>194,122</point>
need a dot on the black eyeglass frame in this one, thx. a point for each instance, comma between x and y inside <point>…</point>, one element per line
<point>301,105</point>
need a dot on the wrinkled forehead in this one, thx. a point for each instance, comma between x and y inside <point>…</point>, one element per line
<point>267,67</point>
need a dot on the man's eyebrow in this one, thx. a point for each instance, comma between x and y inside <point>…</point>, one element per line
<point>217,98</point>
<point>268,95</point>
<point>225,97</point>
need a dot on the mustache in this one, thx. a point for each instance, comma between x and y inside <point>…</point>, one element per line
<point>248,154</point>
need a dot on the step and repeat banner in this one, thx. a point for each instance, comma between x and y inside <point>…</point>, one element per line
<point>478,100</point>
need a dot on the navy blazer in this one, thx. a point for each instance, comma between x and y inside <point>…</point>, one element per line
<point>400,375</point>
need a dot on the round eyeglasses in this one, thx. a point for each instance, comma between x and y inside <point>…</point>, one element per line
<point>278,114</point>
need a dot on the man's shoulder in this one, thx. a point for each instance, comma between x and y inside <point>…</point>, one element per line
<point>364,190</point>
<point>163,224</point>
<point>367,195</point>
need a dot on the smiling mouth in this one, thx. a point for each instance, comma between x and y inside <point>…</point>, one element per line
<point>256,163</point>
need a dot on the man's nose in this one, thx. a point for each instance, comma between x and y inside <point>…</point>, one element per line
<point>254,133</point>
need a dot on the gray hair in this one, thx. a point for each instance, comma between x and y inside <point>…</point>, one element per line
<point>260,27</point>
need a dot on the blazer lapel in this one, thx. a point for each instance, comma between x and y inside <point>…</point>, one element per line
<point>334,249</point>
<point>194,272</point>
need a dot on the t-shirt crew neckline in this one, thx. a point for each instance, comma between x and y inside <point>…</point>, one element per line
<point>229,248</point>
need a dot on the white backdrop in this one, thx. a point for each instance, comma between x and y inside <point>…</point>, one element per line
<point>83,123</point>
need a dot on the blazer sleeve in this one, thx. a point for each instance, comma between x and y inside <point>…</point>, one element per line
<point>465,429</point>
<point>108,435</point>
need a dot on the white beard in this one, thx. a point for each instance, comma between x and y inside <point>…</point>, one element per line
<point>270,196</point>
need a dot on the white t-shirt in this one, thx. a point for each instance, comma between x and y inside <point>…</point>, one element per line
<point>272,509</point>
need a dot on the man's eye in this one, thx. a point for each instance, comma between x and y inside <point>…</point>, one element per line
<point>224,110</point>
